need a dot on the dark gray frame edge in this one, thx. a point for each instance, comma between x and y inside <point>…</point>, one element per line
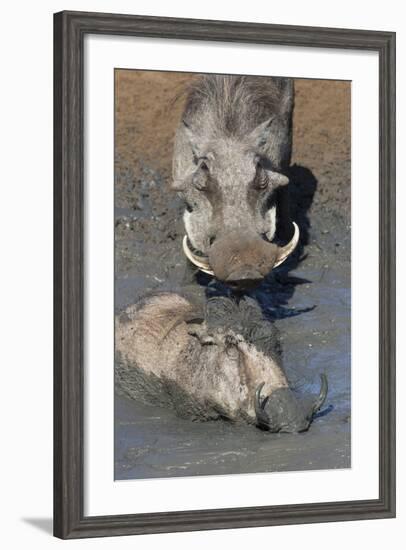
<point>69,30</point>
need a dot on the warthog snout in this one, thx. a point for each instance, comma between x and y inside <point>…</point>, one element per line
<point>241,260</point>
<point>281,411</point>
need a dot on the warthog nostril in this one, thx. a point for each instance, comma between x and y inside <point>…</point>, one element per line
<point>211,240</point>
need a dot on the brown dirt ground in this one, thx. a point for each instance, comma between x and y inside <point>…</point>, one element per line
<point>148,111</point>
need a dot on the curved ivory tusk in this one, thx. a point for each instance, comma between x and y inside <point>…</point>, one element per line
<point>285,251</point>
<point>322,394</point>
<point>201,263</point>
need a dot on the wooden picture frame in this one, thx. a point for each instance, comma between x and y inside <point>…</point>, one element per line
<point>69,31</point>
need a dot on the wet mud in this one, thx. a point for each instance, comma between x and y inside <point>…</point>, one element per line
<point>308,298</point>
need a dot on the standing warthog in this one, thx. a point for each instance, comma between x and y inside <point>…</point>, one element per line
<point>208,367</point>
<point>232,150</point>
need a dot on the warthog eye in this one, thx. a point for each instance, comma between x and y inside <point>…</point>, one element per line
<point>201,176</point>
<point>200,183</point>
<point>263,183</point>
<point>261,180</point>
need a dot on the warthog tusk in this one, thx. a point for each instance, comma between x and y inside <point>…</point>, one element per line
<point>322,394</point>
<point>201,262</point>
<point>285,251</point>
<point>259,405</point>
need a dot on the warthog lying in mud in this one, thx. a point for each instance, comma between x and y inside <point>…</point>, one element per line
<point>219,364</point>
<point>231,154</point>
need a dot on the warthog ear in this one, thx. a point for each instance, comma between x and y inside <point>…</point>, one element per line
<point>193,140</point>
<point>260,135</point>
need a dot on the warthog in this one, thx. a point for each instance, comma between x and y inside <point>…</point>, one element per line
<point>221,364</point>
<point>231,154</point>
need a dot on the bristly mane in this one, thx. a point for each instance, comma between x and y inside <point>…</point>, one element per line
<point>235,105</point>
<point>244,318</point>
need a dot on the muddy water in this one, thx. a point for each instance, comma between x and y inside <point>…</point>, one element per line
<point>153,442</point>
<point>308,299</point>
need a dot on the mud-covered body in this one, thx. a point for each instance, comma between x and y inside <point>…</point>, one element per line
<point>206,365</point>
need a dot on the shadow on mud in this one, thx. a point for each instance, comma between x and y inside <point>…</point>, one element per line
<point>274,293</point>
<point>323,412</point>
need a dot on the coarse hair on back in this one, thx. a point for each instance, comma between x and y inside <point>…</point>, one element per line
<point>235,105</point>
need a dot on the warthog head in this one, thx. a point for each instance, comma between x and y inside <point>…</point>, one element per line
<point>231,151</point>
<point>254,341</point>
